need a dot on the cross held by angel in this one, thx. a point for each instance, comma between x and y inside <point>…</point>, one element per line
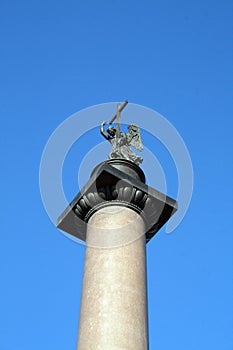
<point>121,141</point>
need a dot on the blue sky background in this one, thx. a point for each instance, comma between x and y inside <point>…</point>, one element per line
<point>58,57</point>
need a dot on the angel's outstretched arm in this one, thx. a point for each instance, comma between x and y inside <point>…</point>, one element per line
<point>103,132</point>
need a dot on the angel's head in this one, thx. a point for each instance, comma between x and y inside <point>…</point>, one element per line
<point>111,131</point>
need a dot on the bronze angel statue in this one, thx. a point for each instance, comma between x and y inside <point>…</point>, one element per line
<point>121,141</point>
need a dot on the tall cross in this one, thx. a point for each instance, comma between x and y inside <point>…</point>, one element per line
<point>118,120</point>
<point>117,117</point>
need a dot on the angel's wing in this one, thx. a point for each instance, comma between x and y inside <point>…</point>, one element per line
<point>134,137</point>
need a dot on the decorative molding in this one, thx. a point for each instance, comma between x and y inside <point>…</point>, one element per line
<point>117,182</point>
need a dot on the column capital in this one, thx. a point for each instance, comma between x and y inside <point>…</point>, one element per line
<point>122,183</point>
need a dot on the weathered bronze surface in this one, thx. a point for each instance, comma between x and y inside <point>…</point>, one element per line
<point>121,141</point>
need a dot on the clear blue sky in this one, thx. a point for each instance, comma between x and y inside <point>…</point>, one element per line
<point>58,57</point>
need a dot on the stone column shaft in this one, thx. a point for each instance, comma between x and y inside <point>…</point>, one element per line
<point>113,311</point>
